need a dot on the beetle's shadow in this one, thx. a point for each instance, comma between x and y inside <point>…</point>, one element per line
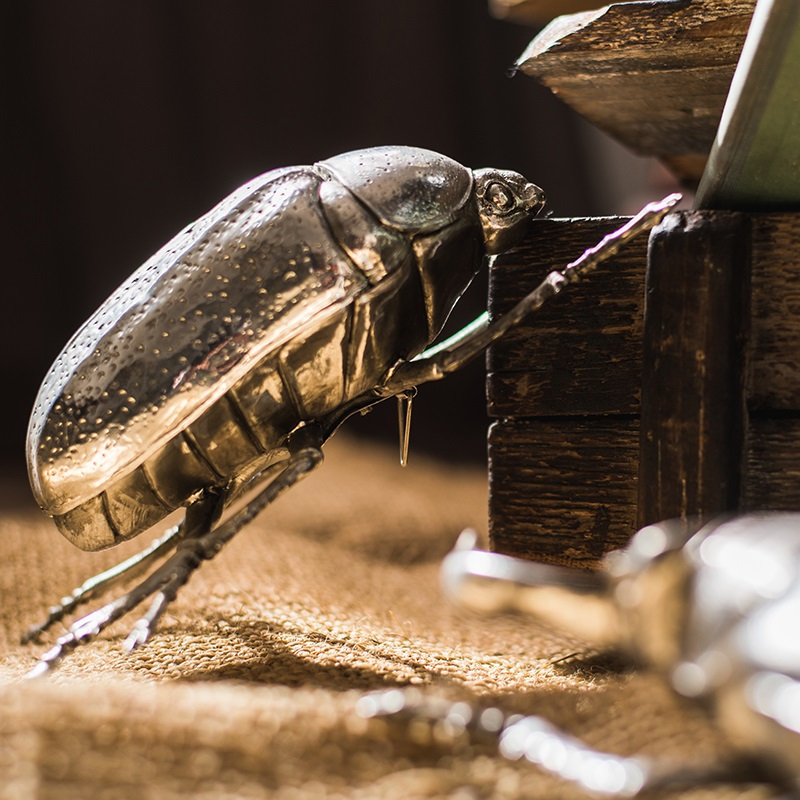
<point>266,659</point>
<point>592,665</point>
<point>339,663</point>
<point>273,663</point>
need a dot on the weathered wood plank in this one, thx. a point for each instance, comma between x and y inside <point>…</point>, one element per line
<point>693,380</point>
<point>772,471</point>
<point>564,490</point>
<point>654,75</point>
<point>775,312</point>
<point>556,474</point>
<point>580,354</point>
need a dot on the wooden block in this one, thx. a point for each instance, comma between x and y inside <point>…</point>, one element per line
<point>562,491</point>
<point>654,75</point>
<point>563,459</point>
<point>716,383</point>
<point>772,466</point>
<point>774,381</point>
<point>581,353</point>
<point>693,378</point>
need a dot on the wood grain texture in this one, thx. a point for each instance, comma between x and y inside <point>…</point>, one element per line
<point>562,491</point>
<point>774,381</point>
<point>654,75</point>
<point>772,467</point>
<point>693,392</point>
<point>722,335</point>
<point>580,353</point>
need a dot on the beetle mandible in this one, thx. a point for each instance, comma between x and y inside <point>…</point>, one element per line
<point>234,353</point>
<point>712,607</point>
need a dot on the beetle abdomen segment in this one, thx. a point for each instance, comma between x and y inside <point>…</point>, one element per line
<point>214,449</point>
<point>266,404</point>
<point>131,504</point>
<point>128,507</point>
<point>221,439</point>
<point>176,472</point>
<point>389,323</point>
<point>88,525</point>
<point>314,367</point>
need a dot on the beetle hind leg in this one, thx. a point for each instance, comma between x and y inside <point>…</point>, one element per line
<point>103,582</point>
<point>201,541</point>
<point>192,552</point>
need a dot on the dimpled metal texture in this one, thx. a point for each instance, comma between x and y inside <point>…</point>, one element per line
<point>423,195</point>
<point>295,294</point>
<point>183,329</point>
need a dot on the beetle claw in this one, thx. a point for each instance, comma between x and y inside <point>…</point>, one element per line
<point>138,636</point>
<point>145,626</point>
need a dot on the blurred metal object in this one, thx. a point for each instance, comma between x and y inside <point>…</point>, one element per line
<point>753,165</point>
<point>531,738</point>
<point>228,359</point>
<point>714,610</point>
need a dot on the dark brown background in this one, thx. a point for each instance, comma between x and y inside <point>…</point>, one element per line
<point>123,121</point>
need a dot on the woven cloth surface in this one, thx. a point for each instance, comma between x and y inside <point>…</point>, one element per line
<point>249,688</point>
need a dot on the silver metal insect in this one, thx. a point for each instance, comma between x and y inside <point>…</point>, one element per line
<point>231,356</point>
<point>715,610</point>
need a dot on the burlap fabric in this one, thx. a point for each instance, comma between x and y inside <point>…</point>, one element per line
<point>249,688</point>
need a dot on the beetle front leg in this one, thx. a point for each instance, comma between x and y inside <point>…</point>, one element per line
<point>471,341</point>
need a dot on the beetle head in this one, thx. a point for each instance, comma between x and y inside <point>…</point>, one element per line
<point>506,202</point>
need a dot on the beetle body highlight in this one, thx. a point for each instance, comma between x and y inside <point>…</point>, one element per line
<point>295,295</point>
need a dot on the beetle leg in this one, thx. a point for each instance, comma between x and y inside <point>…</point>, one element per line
<point>99,584</point>
<point>452,354</point>
<point>200,516</point>
<point>200,542</point>
<point>539,742</point>
<point>192,552</point>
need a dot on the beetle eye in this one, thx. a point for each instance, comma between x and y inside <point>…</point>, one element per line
<point>500,197</point>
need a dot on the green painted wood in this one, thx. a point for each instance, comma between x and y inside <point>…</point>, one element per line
<point>755,162</point>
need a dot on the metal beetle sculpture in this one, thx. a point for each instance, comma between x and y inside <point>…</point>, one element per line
<point>714,610</point>
<point>234,353</point>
